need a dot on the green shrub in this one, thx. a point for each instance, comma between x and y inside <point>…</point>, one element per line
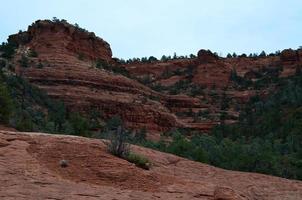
<point>40,65</point>
<point>24,122</point>
<point>2,64</point>
<point>141,135</point>
<point>100,64</point>
<point>8,50</point>
<point>32,53</point>
<point>103,64</point>
<point>6,104</point>
<point>24,61</point>
<point>196,90</point>
<point>79,124</point>
<point>139,160</point>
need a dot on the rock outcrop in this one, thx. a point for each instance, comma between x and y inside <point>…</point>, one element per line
<point>66,68</point>
<point>63,74</point>
<point>61,37</point>
<point>30,169</point>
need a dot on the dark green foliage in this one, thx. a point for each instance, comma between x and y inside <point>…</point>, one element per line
<point>271,78</point>
<point>224,103</point>
<point>32,53</point>
<point>267,139</point>
<point>179,86</point>
<point>233,75</point>
<point>24,62</point>
<point>6,103</point>
<point>8,50</point>
<point>243,55</point>
<point>102,64</point>
<point>94,118</point>
<point>192,56</point>
<point>253,155</point>
<point>164,58</point>
<point>113,123</point>
<point>196,90</point>
<point>2,64</point>
<point>154,98</point>
<point>40,65</point>
<point>157,87</point>
<point>56,20</point>
<point>79,124</point>
<point>58,116</point>
<point>30,109</point>
<point>140,136</point>
<point>24,121</point>
<point>152,59</point>
<point>262,54</point>
<point>120,70</point>
<point>180,145</point>
<point>298,70</point>
<point>240,82</point>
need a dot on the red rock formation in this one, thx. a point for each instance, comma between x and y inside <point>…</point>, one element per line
<point>30,169</point>
<point>68,56</point>
<point>46,36</point>
<point>80,84</point>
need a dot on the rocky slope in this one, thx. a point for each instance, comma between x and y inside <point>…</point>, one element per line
<point>66,67</point>
<point>30,169</point>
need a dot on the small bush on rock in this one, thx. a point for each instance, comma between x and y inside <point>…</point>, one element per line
<point>139,161</point>
<point>117,144</point>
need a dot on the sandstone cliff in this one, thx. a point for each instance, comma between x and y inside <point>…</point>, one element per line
<point>66,67</point>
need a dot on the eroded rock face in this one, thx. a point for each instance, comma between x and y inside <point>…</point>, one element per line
<point>83,87</point>
<point>61,37</point>
<point>226,193</point>
<point>66,69</point>
<point>30,169</point>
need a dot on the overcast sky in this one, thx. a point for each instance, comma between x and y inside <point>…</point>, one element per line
<point>137,28</point>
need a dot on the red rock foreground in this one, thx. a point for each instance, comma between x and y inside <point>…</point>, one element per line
<point>29,169</point>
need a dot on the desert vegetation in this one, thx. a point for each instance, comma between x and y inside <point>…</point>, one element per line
<point>267,138</point>
<point>118,143</point>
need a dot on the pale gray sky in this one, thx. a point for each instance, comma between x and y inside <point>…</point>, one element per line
<point>136,28</point>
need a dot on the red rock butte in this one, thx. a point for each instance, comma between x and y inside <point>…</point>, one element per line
<point>69,53</point>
